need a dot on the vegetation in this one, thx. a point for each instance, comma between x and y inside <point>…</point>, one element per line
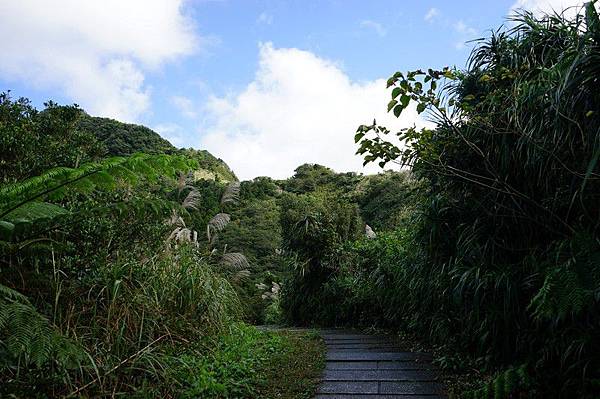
<point>112,277</point>
<point>123,138</point>
<point>497,252</point>
<point>135,274</point>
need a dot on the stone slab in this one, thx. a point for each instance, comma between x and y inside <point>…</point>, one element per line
<point>374,356</point>
<point>363,366</point>
<point>414,365</point>
<point>354,336</point>
<point>351,365</point>
<point>379,375</point>
<point>411,388</point>
<point>349,387</point>
<point>377,396</point>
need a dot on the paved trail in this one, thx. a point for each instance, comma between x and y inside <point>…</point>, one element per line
<point>363,366</point>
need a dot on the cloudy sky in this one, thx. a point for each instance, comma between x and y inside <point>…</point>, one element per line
<point>265,85</point>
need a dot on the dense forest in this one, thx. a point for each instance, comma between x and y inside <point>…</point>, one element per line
<point>131,267</point>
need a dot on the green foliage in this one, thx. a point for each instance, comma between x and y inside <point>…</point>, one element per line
<point>502,259</point>
<point>511,383</point>
<point>33,141</point>
<point>387,199</point>
<point>210,168</point>
<point>313,177</point>
<point>313,228</point>
<point>121,139</point>
<point>244,362</point>
<point>230,368</point>
<point>28,339</point>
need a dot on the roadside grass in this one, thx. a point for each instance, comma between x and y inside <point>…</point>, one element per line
<point>246,362</point>
<point>294,371</point>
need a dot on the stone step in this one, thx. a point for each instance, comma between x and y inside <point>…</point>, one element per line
<point>367,366</point>
<point>362,345</point>
<point>355,337</point>
<point>376,396</point>
<point>379,375</point>
<point>375,356</point>
<point>381,387</point>
<point>380,365</point>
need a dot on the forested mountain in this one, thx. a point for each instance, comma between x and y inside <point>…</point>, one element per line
<point>123,138</point>
<point>119,139</point>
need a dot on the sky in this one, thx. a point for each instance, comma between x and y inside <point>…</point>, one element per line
<point>265,85</point>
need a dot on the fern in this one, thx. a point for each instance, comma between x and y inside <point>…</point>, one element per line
<point>570,285</point>
<point>504,385</point>
<point>87,177</point>
<point>27,337</point>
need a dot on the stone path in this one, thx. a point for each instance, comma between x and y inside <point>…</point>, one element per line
<point>370,367</point>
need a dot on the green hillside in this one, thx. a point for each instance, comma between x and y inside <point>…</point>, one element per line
<point>121,139</point>
<point>124,138</point>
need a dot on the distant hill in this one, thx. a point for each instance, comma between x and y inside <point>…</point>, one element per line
<point>126,138</point>
<point>211,167</point>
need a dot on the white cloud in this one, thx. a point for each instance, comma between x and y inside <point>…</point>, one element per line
<point>299,108</point>
<point>96,52</point>
<point>185,106</point>
<point>264,19</point>
<point>463,28</point>
<point>548,6</point>
<point>432,14</point>
<point>465,32</point>
<point>376,26</point>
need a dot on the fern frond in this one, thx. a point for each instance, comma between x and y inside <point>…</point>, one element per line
<point>29,337</point>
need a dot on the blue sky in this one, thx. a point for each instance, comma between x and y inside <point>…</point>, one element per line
<point>265,85</point>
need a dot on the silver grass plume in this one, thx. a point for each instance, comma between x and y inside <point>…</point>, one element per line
<point>241,275</point>
<point>183,180</point>
<point>217,223</point>
<point>175,220</point>
<point>235,260</point>
<point>231,195</point>
<point>192,200</point>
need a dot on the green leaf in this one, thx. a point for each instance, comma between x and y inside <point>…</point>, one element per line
<point>398,110</point>
<point>358,136</point>
<point>396,92</point>
<point>405,100</point>
<point>420,107</point>
<point>392,104</point>
<point>32,211</point>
